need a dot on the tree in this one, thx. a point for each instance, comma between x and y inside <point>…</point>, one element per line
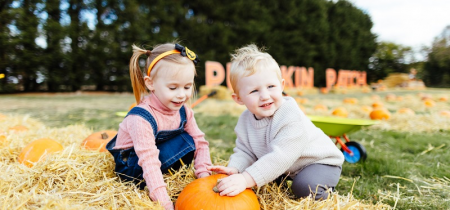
<point>55,59</point>
<point>6,48</point>
<point>437,68</point>
<point>389,58</point>
<point>27,62</point>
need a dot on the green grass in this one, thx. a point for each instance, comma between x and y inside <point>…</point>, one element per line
<point>401,170</point>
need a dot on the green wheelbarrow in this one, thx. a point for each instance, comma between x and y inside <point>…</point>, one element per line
<point>340,127</point>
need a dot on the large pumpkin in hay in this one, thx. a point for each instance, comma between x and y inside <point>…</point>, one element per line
<point>98,140</point>
<point>200,194</point>
<point>37,150</point>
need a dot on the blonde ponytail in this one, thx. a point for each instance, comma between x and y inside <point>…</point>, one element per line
<point>137,79</point>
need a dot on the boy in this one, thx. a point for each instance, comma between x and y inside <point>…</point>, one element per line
<point>274,137</point>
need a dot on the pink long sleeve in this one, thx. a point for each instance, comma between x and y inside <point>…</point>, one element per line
<point>137,132</point>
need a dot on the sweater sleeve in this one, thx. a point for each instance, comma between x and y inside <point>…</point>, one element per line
<point>202,155</point>
<point>243,156</point>
<point>286,147</point>
<point>141,132</point>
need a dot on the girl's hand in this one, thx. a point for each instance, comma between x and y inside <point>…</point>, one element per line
<point>223,170</point>
<point>204,174</point>
<point>232,185</point>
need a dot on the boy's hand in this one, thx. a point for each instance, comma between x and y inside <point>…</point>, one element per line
<point>232,185</point>
<point>223,170</point>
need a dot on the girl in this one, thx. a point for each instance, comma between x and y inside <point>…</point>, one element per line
<point>160,133</point>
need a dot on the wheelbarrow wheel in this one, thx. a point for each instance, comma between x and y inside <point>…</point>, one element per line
<point>358,150</point>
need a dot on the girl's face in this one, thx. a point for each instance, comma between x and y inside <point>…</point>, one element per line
<point>261,93</point>
<point>173,84</point>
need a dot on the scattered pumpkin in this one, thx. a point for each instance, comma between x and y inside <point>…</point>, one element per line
<point>2,117</point>
<point>366,109</point>
<point>426,97</point>
<point>366,89</point>
<point>340,112</point>
<point>301,100</point>
<point>399,98</point>
<point>324,90</point>
<point>131,106</point>
<point>201,194</point>
<point>445,113</point>
<point>320,107</point>
<point>443,98</point>
<point>429,103</point>
<point>377,105</point>
<point>37,150</point>
<point>390,97</point>
<point>375,97</point>
<point>406,111</point>
<point>380,114</point>
<point>350,101</point>
<point>98,140</point>
<point>300,93</point>
<point>18,128</point>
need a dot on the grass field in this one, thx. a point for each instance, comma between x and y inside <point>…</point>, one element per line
<point>405,169</point>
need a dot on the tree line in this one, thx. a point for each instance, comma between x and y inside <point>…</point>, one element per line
<point>68,45</point>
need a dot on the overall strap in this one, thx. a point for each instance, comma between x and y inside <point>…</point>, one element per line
<point>146,115</point>
<point>182,115</point>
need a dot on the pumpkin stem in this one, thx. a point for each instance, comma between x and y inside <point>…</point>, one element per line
<point>105,136</point>
<point>215,189</point>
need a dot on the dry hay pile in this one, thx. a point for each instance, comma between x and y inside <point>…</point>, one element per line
<point>81,179</point>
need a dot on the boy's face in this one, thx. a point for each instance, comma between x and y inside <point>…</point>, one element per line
<point>261,93</point>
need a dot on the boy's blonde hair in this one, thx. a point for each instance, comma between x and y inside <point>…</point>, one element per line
<point>248,60</point>
<point>136,74</point>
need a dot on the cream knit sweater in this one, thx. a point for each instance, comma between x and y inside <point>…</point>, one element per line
<point>281,144</point>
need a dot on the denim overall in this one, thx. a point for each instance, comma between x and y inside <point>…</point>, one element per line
<point>174,146</point>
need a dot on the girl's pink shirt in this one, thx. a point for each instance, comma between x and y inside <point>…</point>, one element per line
<point>136,132</point>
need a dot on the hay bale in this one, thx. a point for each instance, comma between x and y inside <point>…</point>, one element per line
<point>396,80</point>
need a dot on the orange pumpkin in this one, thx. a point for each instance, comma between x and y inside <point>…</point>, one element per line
<point>350,101</point>
<point>377,105</point>
<point>366,89</point>
<point>37,150</point>
<point>321,107</point>
<point>406,111</point>
<point>426,97</point>
<point>445,113</point>
<point>429,103</point>
<point>443,98</point>
<point>301,100</point>
<point>200,194</point>
<point>340,112</point>
<point>375,97</point>
<point>131,106</point>
<point>98,140</point>
<point>399,98</point>
<point>390,97</point>
<point>380,114</point>
<point>2,117</point>
<point>366,109</point>
<point>18,128</point>
<point>324,90</point>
